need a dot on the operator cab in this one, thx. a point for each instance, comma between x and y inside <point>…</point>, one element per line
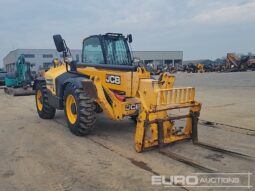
<point>110,49</point>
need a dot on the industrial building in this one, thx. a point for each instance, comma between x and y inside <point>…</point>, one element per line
<point>42,58</point>
<point>173,58</point>
<point>38,58</point>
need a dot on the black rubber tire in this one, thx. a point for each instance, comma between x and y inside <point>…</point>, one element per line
<point>85,111</point>
<point>47,111</point>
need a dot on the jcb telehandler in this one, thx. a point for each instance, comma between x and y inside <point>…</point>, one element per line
<point>107,80</point>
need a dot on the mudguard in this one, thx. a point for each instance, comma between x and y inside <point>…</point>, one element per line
<point>77,81</point>
<point>83,83</point>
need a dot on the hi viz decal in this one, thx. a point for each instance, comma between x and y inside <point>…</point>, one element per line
<point>113,79</point>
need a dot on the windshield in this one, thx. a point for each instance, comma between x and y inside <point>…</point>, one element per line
<point>117,52</point>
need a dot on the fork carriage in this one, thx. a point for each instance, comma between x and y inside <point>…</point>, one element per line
<point>156,122</point>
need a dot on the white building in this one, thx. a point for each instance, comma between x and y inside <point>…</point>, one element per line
<point>38,58</point>
<point>160,57</point>
<point>42,58</point>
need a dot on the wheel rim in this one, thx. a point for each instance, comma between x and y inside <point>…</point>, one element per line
<point>71,109</point>
<point>39,100</point>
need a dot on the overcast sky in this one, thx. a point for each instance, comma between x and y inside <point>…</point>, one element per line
<point>201,28</point>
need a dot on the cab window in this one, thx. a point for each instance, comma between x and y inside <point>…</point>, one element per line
<point>117,52</point>
<point>92,51</point>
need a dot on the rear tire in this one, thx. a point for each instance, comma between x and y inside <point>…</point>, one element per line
<point>79,110</point>
<point>45,111</point>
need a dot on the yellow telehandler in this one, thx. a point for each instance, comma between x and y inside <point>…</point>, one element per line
<point>108,80</point>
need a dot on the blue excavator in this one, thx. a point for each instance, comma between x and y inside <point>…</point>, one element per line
<point>19,82</point>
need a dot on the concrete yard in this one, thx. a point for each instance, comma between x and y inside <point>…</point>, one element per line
<point>37,154</point>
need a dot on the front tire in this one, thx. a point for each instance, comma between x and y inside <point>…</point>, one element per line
<point>79,110</point>
<point>44,110</point>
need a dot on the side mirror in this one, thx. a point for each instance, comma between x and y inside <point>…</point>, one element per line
<point>59,43</point>
<point>130,38</point>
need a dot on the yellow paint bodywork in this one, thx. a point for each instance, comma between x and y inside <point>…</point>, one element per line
<point>129,80</point>
<point>51,76</point>
<point>156,99</point>
<point>129,85</point>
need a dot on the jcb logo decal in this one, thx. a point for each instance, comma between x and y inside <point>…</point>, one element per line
<point>112,79</point>
<point>132,107</point>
